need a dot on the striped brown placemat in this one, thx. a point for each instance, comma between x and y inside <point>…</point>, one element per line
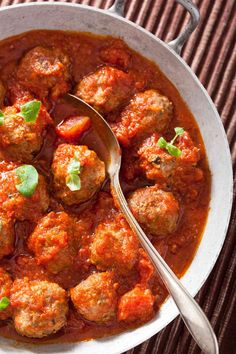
<point>211,54</point>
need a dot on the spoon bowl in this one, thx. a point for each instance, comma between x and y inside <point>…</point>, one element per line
<point>110,152</point>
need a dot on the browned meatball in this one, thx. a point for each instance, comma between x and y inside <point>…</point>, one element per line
<point>21,140</point>
<point>91,173</point>
<point>106,89</point>
<point>2,93</point>
<point>5,288</point>
<point>117,54</point>
<point>157,211</point>
<point>136,305</point>
<point>13,204</point>
<point>95,298</point>
<point>6,236</point>
<point>158,163</point>
<point>54,241</point>
<point>147,112</point>
<point>45,71</point>
<point>181,173</point>
<point>39,307</point>
<point>114,246</point>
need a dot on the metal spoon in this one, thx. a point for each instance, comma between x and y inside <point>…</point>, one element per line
<point>192,315</point>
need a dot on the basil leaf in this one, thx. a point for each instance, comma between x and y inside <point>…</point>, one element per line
<point>28,177</point>
<point>4,303</point>
<point>30,110</point>
<point>173,150</point>
<point>2,116</point>
<point>170,147</point>
<point>162,143</point>
<point>73,182</point>
<point>179,131</point>
<point>74,167</point>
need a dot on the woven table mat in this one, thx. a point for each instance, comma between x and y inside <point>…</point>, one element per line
<point>210,52</point>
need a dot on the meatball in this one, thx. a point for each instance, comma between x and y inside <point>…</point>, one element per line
<point>114,246</point>
<point>54,241</point>
<point>6,236</point>
<point>95,298</point>
<point>158,163</point>
<point>13,204</point>
<point>91,173</point>
<point>106,89</point>
<point>157,211</point>
<point>5,288</point>
<point>117,54</point>
<point>147,112</point>
<point>2,94</point>
<point>39,307</point>
<point>45,71</point>
<point>136,305</point>
<point>21,140</point>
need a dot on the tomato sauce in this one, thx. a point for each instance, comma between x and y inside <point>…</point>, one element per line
<point>178,248</point>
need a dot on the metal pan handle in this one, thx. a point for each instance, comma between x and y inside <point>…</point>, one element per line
<point>177,43</point>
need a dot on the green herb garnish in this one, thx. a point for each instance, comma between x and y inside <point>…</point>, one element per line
<point>30,110</point>
<point>73,181</point>
<point>1,117</point>
<point>4,303</point>
<point>28,177</point>
<point>170,147</point>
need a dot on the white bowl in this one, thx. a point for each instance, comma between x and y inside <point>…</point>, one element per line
<point>20,18</point>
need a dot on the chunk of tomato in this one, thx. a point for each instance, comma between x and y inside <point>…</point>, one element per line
<point>73,127</point>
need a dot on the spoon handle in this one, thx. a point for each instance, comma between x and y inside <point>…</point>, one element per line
<point>191,313</point>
